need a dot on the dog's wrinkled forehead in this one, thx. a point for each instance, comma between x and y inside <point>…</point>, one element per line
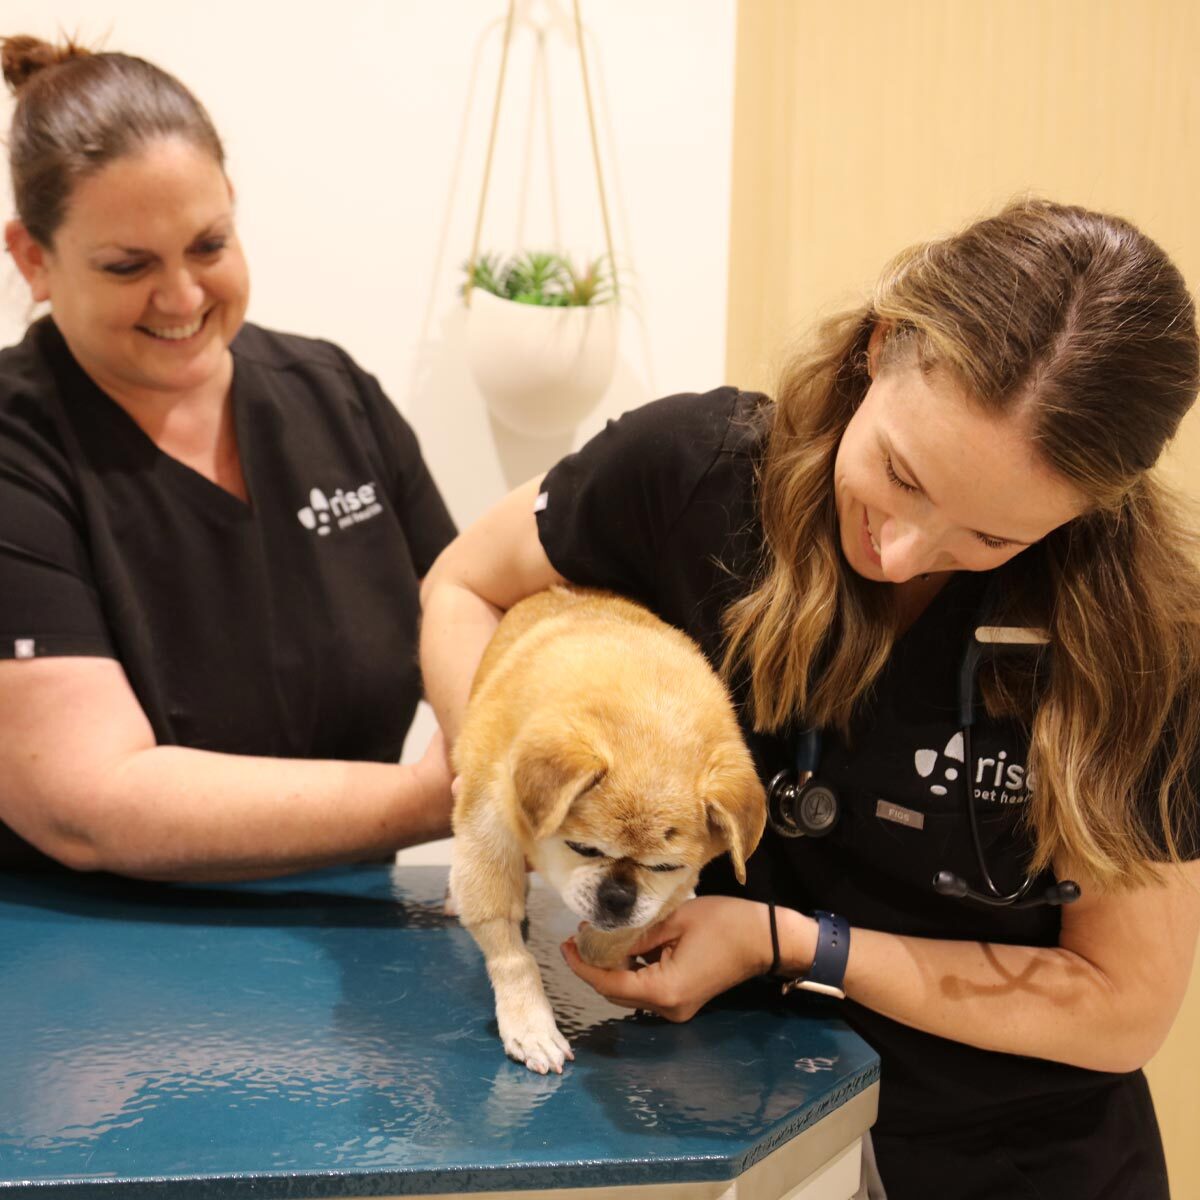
<point>636,824</point>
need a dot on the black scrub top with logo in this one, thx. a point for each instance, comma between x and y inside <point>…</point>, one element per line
<point>661,507</point>
<point>285,626</point>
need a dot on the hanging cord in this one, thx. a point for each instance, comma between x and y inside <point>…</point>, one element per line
<point>587,95</point>
<point>487,166</point>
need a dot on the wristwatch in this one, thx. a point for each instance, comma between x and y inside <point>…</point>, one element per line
<point>828,970</point>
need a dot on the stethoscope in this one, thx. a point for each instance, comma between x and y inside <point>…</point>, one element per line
<point>801,805</point>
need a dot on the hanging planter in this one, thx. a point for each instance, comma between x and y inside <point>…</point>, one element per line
<point>541,341</point>
<point>541,337</point>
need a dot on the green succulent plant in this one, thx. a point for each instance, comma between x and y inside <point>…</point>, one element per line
<point>543,278</point>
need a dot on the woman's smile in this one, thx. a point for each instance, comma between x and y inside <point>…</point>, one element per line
<point>179,332</point>
<point>872,544</point>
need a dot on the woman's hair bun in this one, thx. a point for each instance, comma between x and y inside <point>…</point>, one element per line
<point>22,57</point>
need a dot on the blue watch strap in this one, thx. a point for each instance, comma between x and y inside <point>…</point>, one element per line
<point>828,971</point>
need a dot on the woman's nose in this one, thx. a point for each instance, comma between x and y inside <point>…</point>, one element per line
<point>906,550</point>
<point>179,294</point>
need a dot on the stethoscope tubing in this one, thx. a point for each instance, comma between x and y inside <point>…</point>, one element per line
<point>792,791</point>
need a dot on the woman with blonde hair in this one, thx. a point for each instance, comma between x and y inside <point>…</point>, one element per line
<point>951,597</point>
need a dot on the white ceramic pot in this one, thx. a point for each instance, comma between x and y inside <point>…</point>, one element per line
<point>541,370</point>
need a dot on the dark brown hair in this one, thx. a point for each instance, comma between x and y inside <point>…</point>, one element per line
<point>78,111</point>
<point>1080,323</point>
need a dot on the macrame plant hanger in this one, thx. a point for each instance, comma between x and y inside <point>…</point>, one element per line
<point>541,368</point>
<point>487,165</point>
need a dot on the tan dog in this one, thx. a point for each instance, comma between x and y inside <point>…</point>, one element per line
<point>600,746</point>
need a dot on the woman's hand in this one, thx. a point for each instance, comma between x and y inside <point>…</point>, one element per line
<point>705,947</point>
<point>435,779</point>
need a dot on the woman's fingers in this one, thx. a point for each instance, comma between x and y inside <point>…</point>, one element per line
<point>621,986</point>
<point>596,977</point>
<point>652,988</point>
<point>703,948</point>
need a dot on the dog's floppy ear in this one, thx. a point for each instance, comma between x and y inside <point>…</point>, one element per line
<point>551,767</point>
<point>735,803</point>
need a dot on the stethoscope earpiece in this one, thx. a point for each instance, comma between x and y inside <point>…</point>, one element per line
<point>946,883</point>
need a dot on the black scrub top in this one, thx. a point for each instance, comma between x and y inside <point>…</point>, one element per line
<point>284,626</point>
<point>661,506</point>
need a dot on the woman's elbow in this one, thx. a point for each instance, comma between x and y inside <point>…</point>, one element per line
<point>1127,1045</point>
<point>442,574</point>
<point>1142,1045</point>
<point>1117,1060</point>
<point>76,830</point>
<point>65,842</point>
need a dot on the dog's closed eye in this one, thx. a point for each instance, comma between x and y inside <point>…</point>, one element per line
<point>585,851</point>
<point>591,852</point>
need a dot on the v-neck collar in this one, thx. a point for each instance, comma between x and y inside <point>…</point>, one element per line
<point>122,424</point>
<point>964,588</point>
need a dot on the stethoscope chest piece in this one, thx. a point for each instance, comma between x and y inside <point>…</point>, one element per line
<point>808,809</point>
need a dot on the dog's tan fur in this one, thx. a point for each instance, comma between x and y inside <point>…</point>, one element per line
<point>594,723</point>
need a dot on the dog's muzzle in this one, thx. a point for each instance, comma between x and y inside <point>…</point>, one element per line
<point>615,899</point>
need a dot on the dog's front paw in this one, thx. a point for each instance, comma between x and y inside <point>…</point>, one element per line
<point>532,1037</point>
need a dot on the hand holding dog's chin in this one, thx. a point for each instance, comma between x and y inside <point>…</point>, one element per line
<point>704,948</point>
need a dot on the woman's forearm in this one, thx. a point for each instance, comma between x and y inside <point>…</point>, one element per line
<point>487,569</point>
<point>456,626</point>
<point>173,813</point>
<point>1044,1002</point>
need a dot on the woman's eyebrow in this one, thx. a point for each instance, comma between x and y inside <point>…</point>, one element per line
<point>214,226</point>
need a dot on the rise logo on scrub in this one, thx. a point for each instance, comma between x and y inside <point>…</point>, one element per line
<point>345,508</point>
<point>995,779</point>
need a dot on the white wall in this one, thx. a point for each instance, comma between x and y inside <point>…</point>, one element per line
<point>356,136</point>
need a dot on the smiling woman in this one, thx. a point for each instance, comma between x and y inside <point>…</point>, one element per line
<point>970,448</point>
<point>149,287</point>
<point>211,535</point>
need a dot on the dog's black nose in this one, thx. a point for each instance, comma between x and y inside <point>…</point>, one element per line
<point>616,898</point>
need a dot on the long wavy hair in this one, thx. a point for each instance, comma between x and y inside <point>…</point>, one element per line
<point>1082,323</point>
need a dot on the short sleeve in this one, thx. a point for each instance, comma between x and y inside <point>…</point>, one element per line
<point>49,604</point>
<point>428,526</point>
<point>606,512</point>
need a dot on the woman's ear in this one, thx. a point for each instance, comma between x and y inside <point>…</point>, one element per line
<point>879,335</point>
<point>30,256</point>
